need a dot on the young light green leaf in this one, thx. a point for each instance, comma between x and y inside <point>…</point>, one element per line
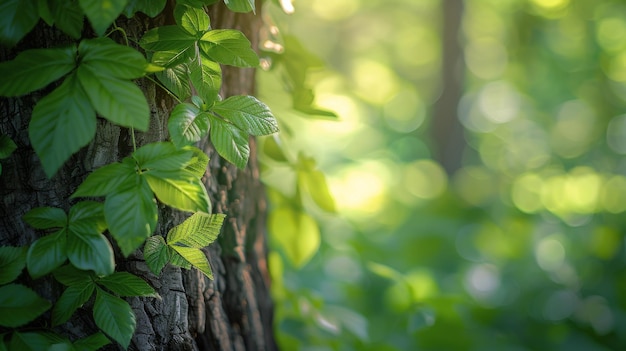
<point>240,5</point>
<point>177,260</point>
<point>12,262</point>
<point>72,298</point>
<point>131,215</point>
<point>194,20</point>
<point>167,38</point>
<point>68,17</point>
<point>296,233</point>
<point>7,146</point>
<point>47,254</point>
<point>93,342</point>
<point>207,79</point>
<point>313,182</point>
<point>102,13</point>
<point>114,317</point>
<point>230,142</point>
<point>163,156</point>
<point>127,284</point>
<point>196,258</point>
<point>150,7</point>
<point>18,18</point>
<point>248,114</point>
<point>62,122</point>
<point>156,254</point>
<point>34,69</point>
<point>187,125</point>
<point>108,179</point>
<point>69,275</point>
<point>108,58</point>
<point>179,189</point>
<point>119,101</point>
<point>20,305</point>
<point>46,218</point>
<point>90,251</point>
<point>199,162</point>
<point>229,47</point>
<point>198,231</point>
<point>176,80</point>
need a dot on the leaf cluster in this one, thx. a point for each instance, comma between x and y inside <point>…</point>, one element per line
<point>94,77</point>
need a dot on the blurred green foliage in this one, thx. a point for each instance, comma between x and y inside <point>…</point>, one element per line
<point>522,248</point>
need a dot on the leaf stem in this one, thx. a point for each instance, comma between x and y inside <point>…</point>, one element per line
<point>132,135</point>
<point>163,87</point>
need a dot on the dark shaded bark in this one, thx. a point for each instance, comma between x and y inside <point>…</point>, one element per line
<point>231,312</point>
<point>447,131</point>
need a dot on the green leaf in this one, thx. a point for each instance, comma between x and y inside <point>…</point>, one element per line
<point>34,69</point>
<point>177,260</point>
<point>196,3</point>
<point>69,275</point>
<point>296,233</point>
<point>107,58</point>
<point>127,284</point>
<point>272,147</point>
<point>62,122</point>
<point>46,218</point>
<point>187,125</point>
<point>47,254</point>
<point>108,179</point>
<point>162,156</point>
<point>240,5</point>
<point>197,231</point>
<point>62,346</point>
<point>229,47</point>
<point>93,342</point>
<point>179,189</point>
<point>20,305</point>
<point>34,341</point>
<point>248,114</point>
<point>87,215</point>
<point>156,254</point>
<point>43,8</point>
<point>16,20</point>
<point>198,163</point>
<point>72,298</point>
<point>167,38</point>
<point>131,216</point>
<point>176,80</point>
<point>7,146</point>
<point>12,262</point>
<point>194,20</point>
<point>196,258</point>
<point>102,13</point>
<point>230,142</point>
<point>68,16</point>
<point>150,7</point>
<point>207,79</point>
<point>90,251</point>
<point>114,317</point>
<point>313,182</point>
<point>173,58</point>
<point>119,101</point>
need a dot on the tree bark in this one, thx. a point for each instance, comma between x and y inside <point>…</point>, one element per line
<point>231,312</point>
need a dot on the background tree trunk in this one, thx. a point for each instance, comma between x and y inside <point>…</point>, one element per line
<point>232,312</point>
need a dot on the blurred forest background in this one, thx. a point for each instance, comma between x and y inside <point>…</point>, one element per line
<point>477,166</point>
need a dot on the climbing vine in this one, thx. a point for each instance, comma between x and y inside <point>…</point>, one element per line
<point>94,76</point>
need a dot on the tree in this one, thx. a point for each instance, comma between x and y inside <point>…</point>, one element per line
<point>233,311</point>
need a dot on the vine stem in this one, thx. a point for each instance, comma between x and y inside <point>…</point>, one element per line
<point>132,135</point>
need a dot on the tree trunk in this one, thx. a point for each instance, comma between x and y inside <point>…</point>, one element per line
<point>447,131</point>
<point>231,312</point>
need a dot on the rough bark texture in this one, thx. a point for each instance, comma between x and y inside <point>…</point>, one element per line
<point>231,312</point>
